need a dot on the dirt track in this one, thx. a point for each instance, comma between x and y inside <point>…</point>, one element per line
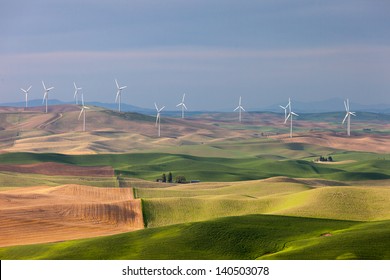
<point>53,214</point>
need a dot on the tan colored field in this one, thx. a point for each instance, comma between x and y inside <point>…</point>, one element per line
<point>60,131</point>
<point>366,143</point>
<point>53,214</point>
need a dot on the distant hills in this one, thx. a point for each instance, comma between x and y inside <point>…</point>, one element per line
<point>329,105</point>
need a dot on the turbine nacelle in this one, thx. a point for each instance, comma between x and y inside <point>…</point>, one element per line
<point>26,90</point>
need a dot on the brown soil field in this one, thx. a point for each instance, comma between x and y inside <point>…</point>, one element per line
<point>53,168</point>
<point>54,214</point>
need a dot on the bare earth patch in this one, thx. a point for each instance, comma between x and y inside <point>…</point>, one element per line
<point>53,214</point>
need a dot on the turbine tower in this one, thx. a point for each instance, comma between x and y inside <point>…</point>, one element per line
<point>290,116</point>
<point>158,118</point>
<point>83,111</point>
<point>46,94</point>
<point>76,93</point>
<point>119,93</point>
<point>26,93</point>
<point>348,116</point>
<point>239,108</point>
<point>183,106</point>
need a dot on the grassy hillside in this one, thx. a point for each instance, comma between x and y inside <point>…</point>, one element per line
<point>170,206</point>
<point>151,165</point>
<point>246,237</point>
<point>7,180</point>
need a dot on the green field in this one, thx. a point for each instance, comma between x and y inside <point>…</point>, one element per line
<point>246,237</point>
<point>243,161</point>
<point>257,199</point>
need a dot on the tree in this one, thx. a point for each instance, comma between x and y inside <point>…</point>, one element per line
<point>180,179</point>
<point>164,178</point>
<point>330,158</point>
<point>170,179</point>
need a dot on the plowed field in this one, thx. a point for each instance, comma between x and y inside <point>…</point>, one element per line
<point>53,214</point>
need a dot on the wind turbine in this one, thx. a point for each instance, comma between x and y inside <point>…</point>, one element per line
<point>26,93</point>
<point>46,94</point>
<point>158,117</point>
<point>239,108</point>
<point>183,106</point>
<point>285,108</point>
<point>76,92</point>
<point>83,111</point>
<point>348,116</point>
<point>119,93</point>
<point>290,115</point>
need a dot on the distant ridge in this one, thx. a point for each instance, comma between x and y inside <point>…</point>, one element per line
<point>325,106</point>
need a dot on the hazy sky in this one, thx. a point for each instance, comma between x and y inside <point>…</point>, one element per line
<point>214,51</point>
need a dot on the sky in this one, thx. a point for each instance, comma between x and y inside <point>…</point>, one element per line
<point>214,51</point>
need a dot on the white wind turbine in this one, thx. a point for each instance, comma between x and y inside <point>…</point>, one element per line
<point>285,108</point>
<point>158,117</point>
<point>83,111</point>
<point>239,108</point>
<point>76,91</point>
<point>290,115</point>
<point>26,93</point>
<point>119,93</point>
<point>348,116</point>
<point>183,106</point>
<point>46,94</point>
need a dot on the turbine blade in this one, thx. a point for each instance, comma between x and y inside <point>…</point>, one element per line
<point>81,112</point>
<point>25,91</point>
<point>352,113</point>
<point>294,114</point>
<point>157,117</point>
<point>29,89</point>
<point>184,105</point>
<point>116,83</point>
<point>238,107</point>
<point>346,116</point>
<point>117,95</point>
<point>161,108</point>
<point>43,85</point>
<point>180,104</point>
<point>44,97</point>
<point>286,119</point>
<point>283,107</point>
<point>345,105</point>
<point>155,105</point>
<point>75,85</point>
<point>182,100</point>
<point>123,87</point>
<point>50,88</point>
<point>242,108</point>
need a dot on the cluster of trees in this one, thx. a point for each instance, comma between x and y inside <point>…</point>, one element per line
<point>169,179</point>
<point>321,158</point>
